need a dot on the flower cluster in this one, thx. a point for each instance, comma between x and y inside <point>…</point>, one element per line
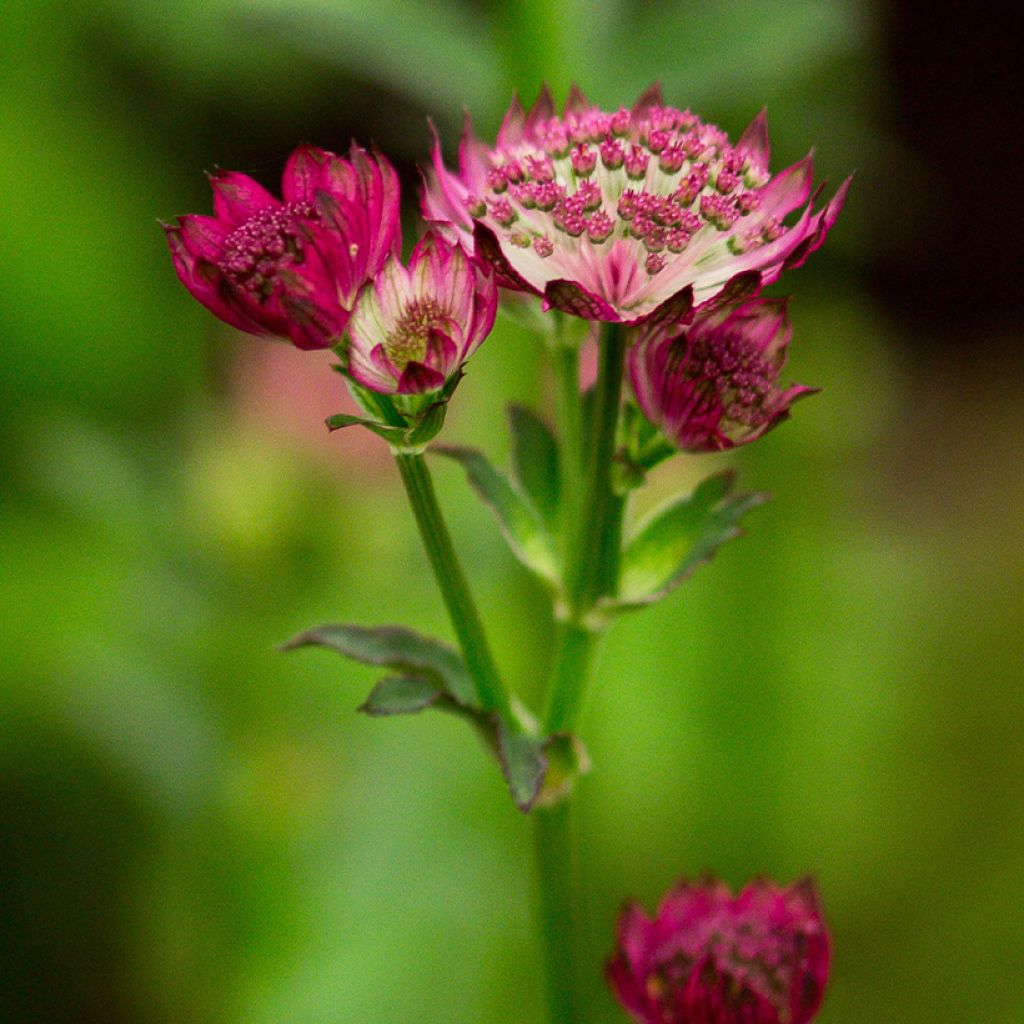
<point>707,957</point>
<point>646,216</point>
<point>324,260</point>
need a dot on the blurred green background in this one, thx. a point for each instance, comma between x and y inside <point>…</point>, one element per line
<point>196,828</point>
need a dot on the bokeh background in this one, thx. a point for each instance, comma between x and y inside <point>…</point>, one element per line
<point>196,828</point>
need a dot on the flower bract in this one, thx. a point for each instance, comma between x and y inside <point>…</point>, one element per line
<point>414,327</point>
<point>628,215</point>
<point>293,266</point>
<point>712,384</point>
<point>708,957</point>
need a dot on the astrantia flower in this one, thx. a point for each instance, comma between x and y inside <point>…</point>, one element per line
<point>707,957</point>
<point>626,215</point>
<point>293,266</point>
<point>412,329</point>
<point>713,384</point>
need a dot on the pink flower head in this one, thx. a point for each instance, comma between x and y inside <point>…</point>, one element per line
<point>412,329</point>
<point>713,385</point>
<point>707,957</point>
<point>293,266</point>
<point>627,215</point>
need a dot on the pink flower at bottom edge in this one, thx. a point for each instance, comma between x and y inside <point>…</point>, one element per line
<point>708,957</point>
<point>413,328</point>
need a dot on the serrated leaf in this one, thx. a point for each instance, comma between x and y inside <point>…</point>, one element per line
<point>522,526</point>
<point>676,538</point>
<point>523,763</point>
<point>397,648</point>
<point>403,695</point>
<point>535,461</point>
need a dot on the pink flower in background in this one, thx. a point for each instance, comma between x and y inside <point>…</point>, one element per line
<point>627,215</point>
<point>412,329</point>
<point>707,957</point>
<point>291,267</point>
<point>713,384</point>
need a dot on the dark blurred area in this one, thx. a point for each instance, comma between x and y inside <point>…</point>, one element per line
<point>197,828</point>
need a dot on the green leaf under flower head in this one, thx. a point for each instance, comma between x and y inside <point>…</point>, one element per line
<point>676,538</point>
<point>521,524</point>
<point>535,462</point>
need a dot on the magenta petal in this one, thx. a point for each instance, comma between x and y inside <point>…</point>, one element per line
<point>488,250</point>
<point>442,352</point>
<point>417,378</point>
<point>206,283</point>
<point>754,140</point>
<point>576,102</point>
<point>650,97</point>
<point>674,310</point>
<point>202,237</point>
<point>543,109</point>
<point>511,131</point>
<point>821,226</point>
<point>737,289</point>
<point>236,197</point>
<point>788,189</point>
<point>303,174</point>
<point>570,297</point>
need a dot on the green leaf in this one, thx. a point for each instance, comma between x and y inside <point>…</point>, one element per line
<point>671,542</point>
<point>535,462</point>
<point>397,648</point>
<point>523,763</point>
<point>403,695</point>
<point>393,435</point>
<point>520,523</point>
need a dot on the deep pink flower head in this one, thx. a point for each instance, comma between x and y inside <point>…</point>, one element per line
<point>713,384</point>
<point>707,957</point>
<point>618,216</point>
<point>293,266</point>
<point>412,329</point>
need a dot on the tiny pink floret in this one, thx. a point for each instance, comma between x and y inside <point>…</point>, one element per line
<point>292,267</point>
<point>688,210</point>
<point>708,957</point>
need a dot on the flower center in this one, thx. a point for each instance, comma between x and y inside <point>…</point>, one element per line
<point>756,958</point>
<point>269,240</point>
<point>409,338</point>
<point>654,180</point>
<point>727,368</point>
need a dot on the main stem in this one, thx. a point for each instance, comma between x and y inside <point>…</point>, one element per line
<point>588,577</point>
<point>592,527</point>
<point>457,598</point>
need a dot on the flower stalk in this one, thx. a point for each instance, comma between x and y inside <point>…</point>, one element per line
<point>558,911</point>
<point>457,598</point>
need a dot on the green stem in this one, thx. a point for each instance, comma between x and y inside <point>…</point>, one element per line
<point>592,530</point>
<point>575,648</point>
<point>569,408</point>
<point>558,911</point>
<point>591,569</point>
<point>457,598</point>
